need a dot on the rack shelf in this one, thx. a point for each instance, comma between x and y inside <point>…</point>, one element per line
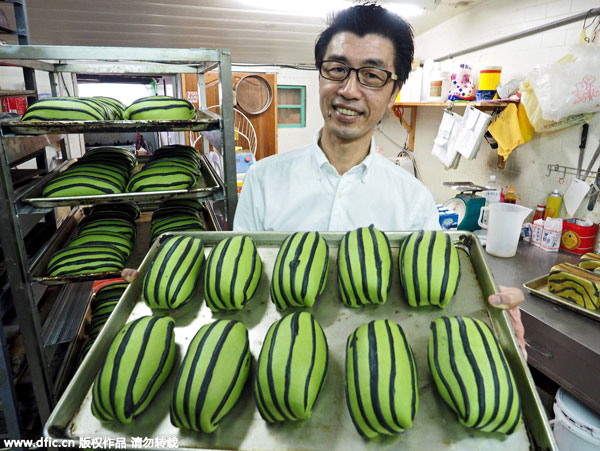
<point>411,125</point>
<point>15,93</point>
<point>22,141</point>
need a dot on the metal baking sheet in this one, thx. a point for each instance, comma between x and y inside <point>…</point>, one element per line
<point>69,230</point>
<point>539,287</point>
<point>435,426</point>
<point>203,121</point>
<point>207,185</point>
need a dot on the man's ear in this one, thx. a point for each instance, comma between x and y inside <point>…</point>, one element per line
<point>395,92</point>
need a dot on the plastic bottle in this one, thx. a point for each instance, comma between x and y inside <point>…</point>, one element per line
<point>492,194</point>
<point>439,85</point>
<point>510,197</point>
<point>553,204</point>
<point>539,212</point>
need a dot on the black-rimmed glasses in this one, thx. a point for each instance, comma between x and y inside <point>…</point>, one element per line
<point>373,77</point>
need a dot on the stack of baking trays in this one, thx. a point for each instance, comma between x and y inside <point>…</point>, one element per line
<point>574,286</point>
<point>196,353</point>
<point>97,242</point>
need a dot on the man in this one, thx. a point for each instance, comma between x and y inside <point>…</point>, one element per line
<point>339,182</point>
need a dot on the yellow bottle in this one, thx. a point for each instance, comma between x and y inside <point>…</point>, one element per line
<point>510,197</point>
<point>553,204</point>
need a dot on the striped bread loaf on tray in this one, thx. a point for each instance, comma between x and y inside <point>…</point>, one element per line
<point>429,268</point>
<point>232,273</point>
<point>382,391</point>
<point>364,267</point>
<point>160,108</point>
<point>212,376</point>
<point>589,261</point>
<point>300,270</point>
<point>291,368</point>
<point>472,374</point>
<point>85,260</point>
<point>174,272</point>
<point>138,361</point>
<point>575,284</point>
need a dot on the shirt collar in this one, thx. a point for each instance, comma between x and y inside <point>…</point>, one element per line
<point>321,162</point>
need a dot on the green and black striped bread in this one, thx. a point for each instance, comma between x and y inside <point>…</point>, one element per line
<point>575,284</point>
<point>85,260</point>
<point>65,109</point>
<point>102,170</point>
<point>589,261</point>
<point>472,375</point>
<point>211,377</point>
<point>122,243</point>
<point>300,270</point>
<point>115,107</point>
<point>94,224</point>
<point>429,268</point>
<point>364,264</point>
<point>232,273</point>
<point>174,272</point>
<point>291,368</point>
<point>160,108</point>
<point>103,304</point>
<point>162,177</point>
<point>382,390</point>
<point>85,180</point>
<point>128,210</point>
<point>183,221</point>
<point>138,361</point>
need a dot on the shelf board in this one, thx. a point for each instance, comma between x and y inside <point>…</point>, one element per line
<point>16,92</point>
<point>204,122</point>
<point>477,104</point>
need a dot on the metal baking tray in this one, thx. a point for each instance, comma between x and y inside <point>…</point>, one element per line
<point>204,120</point>
<point>539,287</point>
<point>207,185</point>
<point>68,231</point>
<point>435,426</point>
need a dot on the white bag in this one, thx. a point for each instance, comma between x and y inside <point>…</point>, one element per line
<point>470,131</point>
<point>448,155</point>
<point>570,86</point>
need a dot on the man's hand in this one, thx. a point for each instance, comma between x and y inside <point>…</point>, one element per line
<point>510,298</point>
<point>129,274</point>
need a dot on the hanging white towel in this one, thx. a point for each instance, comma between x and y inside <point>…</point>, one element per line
<point>442,148</point>
<point>469,132</point>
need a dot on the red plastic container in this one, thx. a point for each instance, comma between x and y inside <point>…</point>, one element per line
<point>578,239</point>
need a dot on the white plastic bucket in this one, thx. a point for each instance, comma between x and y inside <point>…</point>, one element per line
<point>576,427</point>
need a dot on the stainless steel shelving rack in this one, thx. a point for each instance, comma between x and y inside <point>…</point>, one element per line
<point>17,146</point>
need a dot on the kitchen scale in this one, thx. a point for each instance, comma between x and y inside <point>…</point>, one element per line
<point>467,204</point>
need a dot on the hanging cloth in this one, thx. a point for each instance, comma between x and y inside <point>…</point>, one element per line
<point>506,131</point>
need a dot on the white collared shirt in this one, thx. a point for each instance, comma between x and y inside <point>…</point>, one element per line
<point>301,191</point>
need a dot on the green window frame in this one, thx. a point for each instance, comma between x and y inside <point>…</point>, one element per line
<point>301,106</point>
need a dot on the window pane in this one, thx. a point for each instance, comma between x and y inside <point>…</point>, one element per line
<point>289,96</point>
<point>289,116</point>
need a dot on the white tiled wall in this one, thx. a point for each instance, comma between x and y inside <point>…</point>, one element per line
<point>291,138</point>
<point>526,168</point>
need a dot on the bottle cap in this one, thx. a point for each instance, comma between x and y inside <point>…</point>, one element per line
<point>510,189</point>
<point>555,191</point>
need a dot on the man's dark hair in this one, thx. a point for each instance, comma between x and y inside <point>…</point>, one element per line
<point>370,18</point>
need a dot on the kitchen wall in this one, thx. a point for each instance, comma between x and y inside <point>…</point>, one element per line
<point>291,138</point>
<point>526,167</point>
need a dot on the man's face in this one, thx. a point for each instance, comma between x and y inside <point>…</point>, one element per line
<point>352,110</point>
